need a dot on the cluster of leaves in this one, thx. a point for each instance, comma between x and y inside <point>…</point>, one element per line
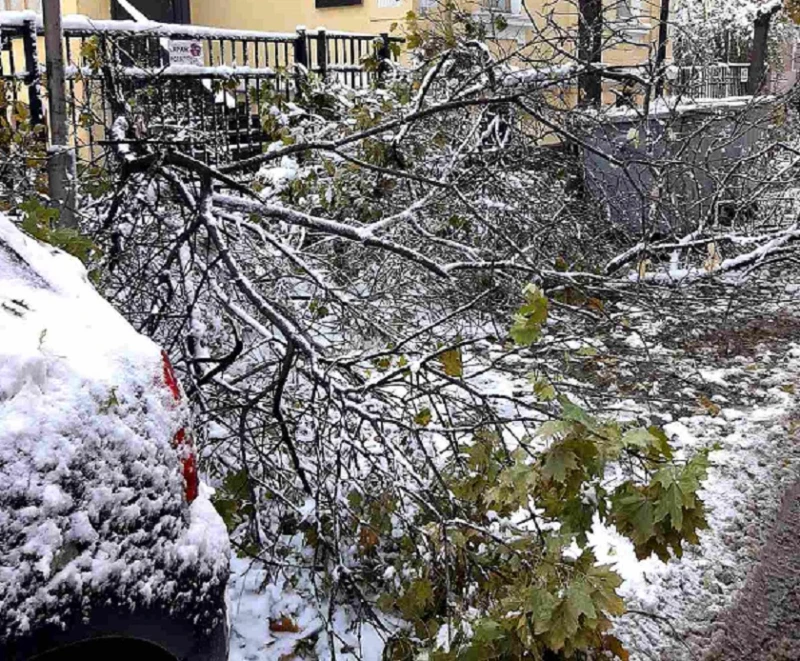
<point>23,177</point>
<point>509,573</point>
<point>41,222</point>
<point>23,150</point>
<point>511,590</point>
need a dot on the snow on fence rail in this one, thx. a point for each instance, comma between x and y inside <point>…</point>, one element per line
<point>188,81</point>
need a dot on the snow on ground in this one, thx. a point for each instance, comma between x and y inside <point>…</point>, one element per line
<point>91,490</point>
<point>757,458</point>
<point>268,621</point>
<point>672,605</point>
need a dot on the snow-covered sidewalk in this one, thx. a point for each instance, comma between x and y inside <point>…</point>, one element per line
<point>675,606</point>
<point>743,408</point>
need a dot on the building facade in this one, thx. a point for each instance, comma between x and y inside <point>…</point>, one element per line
<point>535,25</point>
<point>638,19</point>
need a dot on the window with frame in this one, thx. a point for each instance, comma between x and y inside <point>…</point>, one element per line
<point>498,5</point>
<point>21,5</point>
<point>322,4</point>
<point>427,5</point>
<point>628,9</point>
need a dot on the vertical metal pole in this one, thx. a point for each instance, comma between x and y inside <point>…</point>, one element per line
<point>33,79</point>
<point>322,52</point>
<point>384,55</point>
<point>661,55</point>
<point>300,60</point>
<point>301,48</point>
<point>61,164</point>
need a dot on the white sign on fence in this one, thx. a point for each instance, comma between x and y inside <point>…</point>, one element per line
<point>186,52</point>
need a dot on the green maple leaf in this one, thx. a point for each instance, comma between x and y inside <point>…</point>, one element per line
<point>488,630</point>
<point>573,412</point>
<point>661,441</point>
<point>423,418</point>
<point>541,605</point>
<point>694,473</point>
<point>635,513</point>
<point>417,598</point>
<point>563,626</point>
<point>670,503</point>
<point>528,322</point>
<point>553,428</point>
<point>559,461</point>
<point>544,390</point>
<point>579,601</point>
<point>638,438</point>
<point>604,582</point>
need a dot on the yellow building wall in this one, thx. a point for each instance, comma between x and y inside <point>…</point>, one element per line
<point>93,8</point>
<point>286,15</point>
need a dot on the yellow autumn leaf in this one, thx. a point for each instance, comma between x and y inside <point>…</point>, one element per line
<point>712,408</point>
<point>451,362</point>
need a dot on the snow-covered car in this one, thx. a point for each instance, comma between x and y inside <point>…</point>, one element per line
<point>108,541</point>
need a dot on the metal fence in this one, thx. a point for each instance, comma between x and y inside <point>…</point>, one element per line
<point>204,90</point>
<point>717,81</point>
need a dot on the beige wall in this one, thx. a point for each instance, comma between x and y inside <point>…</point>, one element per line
<point>93,8</point>
<point>286,15</point>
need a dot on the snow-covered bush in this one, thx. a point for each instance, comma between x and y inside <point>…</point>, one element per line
<point>710,31</point>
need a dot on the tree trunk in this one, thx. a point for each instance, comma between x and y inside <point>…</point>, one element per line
<point>590,51</point>
<point>663,40</point>
<point>758,58</point>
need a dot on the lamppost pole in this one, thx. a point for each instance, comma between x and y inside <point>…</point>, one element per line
<point>61,161</point>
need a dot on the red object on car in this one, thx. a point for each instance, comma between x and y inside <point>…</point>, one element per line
<point>183,442</point>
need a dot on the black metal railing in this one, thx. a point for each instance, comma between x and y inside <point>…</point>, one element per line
<point>212,105</point>
<point>715,81</point>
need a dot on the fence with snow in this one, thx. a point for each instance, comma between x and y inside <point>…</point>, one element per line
<point>206,88</point>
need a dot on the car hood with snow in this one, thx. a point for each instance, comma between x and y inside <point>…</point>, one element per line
<point>93,493</point>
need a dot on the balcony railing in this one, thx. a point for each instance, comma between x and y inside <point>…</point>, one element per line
<point>715,81</point>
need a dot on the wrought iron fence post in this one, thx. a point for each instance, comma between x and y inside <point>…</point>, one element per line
<point>33,78</point>
<point>384,55</point>
<point>301,48</point>
<point>300,59</point>
<point>322,52</point>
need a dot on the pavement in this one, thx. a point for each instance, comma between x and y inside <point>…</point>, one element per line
<point>764,623</point>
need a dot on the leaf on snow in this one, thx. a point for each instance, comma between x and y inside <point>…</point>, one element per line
<point>452,363</point>
<point>423,418</point>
